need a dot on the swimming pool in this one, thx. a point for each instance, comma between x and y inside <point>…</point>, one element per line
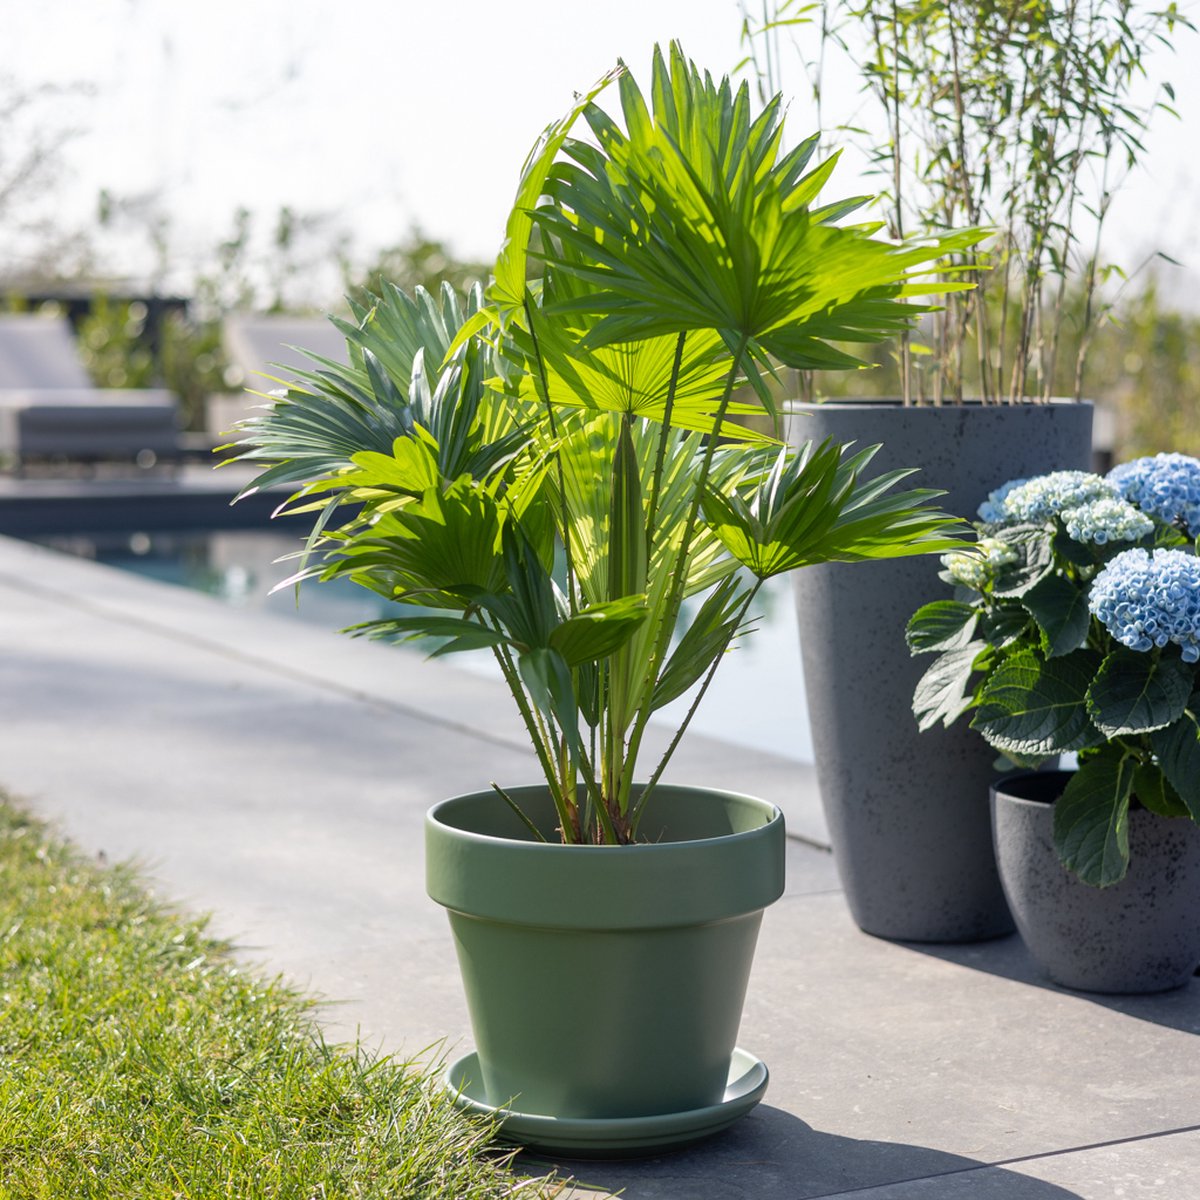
<point>756,699</point>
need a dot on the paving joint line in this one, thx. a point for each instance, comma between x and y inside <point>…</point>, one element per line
<point>1009,1162</point>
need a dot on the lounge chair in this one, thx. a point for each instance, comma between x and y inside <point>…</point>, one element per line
<point>260,350</point>
<point>50,410</point>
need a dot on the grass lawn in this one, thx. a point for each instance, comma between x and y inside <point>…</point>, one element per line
<point>138,1059</point>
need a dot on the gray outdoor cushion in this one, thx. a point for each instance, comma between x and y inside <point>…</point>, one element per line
<point>259,346</point>
<point>88,423</point>
<point>39,352</point>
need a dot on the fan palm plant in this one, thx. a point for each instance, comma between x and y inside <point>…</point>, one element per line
<point>556,465</point>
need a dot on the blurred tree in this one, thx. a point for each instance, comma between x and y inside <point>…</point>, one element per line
<point>225,284</point>
<point>112,344</point>
<point>1149,362</point>
<point>416,260</point>
<point>115,348</point>
<point>36,126</point>
<point>1143,364</point>
<point>301,244</point>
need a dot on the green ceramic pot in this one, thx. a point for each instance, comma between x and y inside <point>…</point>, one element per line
<point>605,982</point>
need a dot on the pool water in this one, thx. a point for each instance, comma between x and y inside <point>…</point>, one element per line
<point>756,699</point>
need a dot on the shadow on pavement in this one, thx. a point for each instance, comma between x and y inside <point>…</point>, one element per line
<point>772,1155</point>
<point>1008,958</point>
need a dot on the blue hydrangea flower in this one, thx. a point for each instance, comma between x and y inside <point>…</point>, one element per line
<point>1167,485</point>
<point>981,562</point>
<point>1106,520</point>
<point>1147,600</point>
<point>1045,496</point>
<point>991,511</point>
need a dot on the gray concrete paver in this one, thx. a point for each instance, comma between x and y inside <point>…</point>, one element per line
<point>1161,1168</point>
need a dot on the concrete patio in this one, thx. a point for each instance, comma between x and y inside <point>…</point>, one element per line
<point>277,775</point>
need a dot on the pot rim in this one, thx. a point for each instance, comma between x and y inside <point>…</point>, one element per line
<point>999,789</point>
<point>972,403</point>
<point>691,881</point>
<point>434,813</point>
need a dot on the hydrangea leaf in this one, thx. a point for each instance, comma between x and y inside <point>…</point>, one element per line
<point>1035,707</point>
<point>1178,751</point>
<point>944,692</point>
<point>1066,548</point>
<point>1154,792</point>
<point>1035,549</point>
<point>1061,611</point>
<point>942,625</point>
<point>1091,819</point>
<point>1004,624</point>
<point>1135,693</point>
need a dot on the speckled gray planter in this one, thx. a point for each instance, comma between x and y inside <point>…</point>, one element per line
<point>1139,935</point>
<point>907,811</point>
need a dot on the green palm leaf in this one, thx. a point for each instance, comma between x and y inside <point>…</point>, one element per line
<point>508,288</point>
<point>630,377</point>
<point>693,218</point>
<point>809,508</point>
<point>442,550</point>
<point>586,419</point>
<point>386,392</point>
<point>706,637</point>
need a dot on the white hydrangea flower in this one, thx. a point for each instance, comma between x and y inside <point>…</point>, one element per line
<point>981,563</point>
<point>1106,520</point>
<point>1046,496</point>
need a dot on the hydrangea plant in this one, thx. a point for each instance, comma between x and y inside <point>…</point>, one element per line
<point>1166,485</point>
<point>1075,627</point>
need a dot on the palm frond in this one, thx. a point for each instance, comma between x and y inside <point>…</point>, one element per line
<point>810,509</point>
<point>692,218</point>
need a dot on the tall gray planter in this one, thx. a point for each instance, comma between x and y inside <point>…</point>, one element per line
<point>1139,935</point>
<point>908,811</point>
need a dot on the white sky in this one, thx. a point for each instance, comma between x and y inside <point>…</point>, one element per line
<point>385,113</point>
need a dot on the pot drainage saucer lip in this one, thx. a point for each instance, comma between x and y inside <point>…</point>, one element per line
<point>614,1137</point>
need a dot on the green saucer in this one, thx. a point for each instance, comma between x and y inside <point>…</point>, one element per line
<point>619,1137</point>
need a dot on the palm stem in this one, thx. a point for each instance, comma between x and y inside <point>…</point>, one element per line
<point>521,814</point>
<point>512,677</point>
<point>664,432</point>
<point>674,599</point>
<point>636,812</point>
<point>544,392</point>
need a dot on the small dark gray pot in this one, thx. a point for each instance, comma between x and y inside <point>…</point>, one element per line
<point>906,810</point>
<point>1139,935</point>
